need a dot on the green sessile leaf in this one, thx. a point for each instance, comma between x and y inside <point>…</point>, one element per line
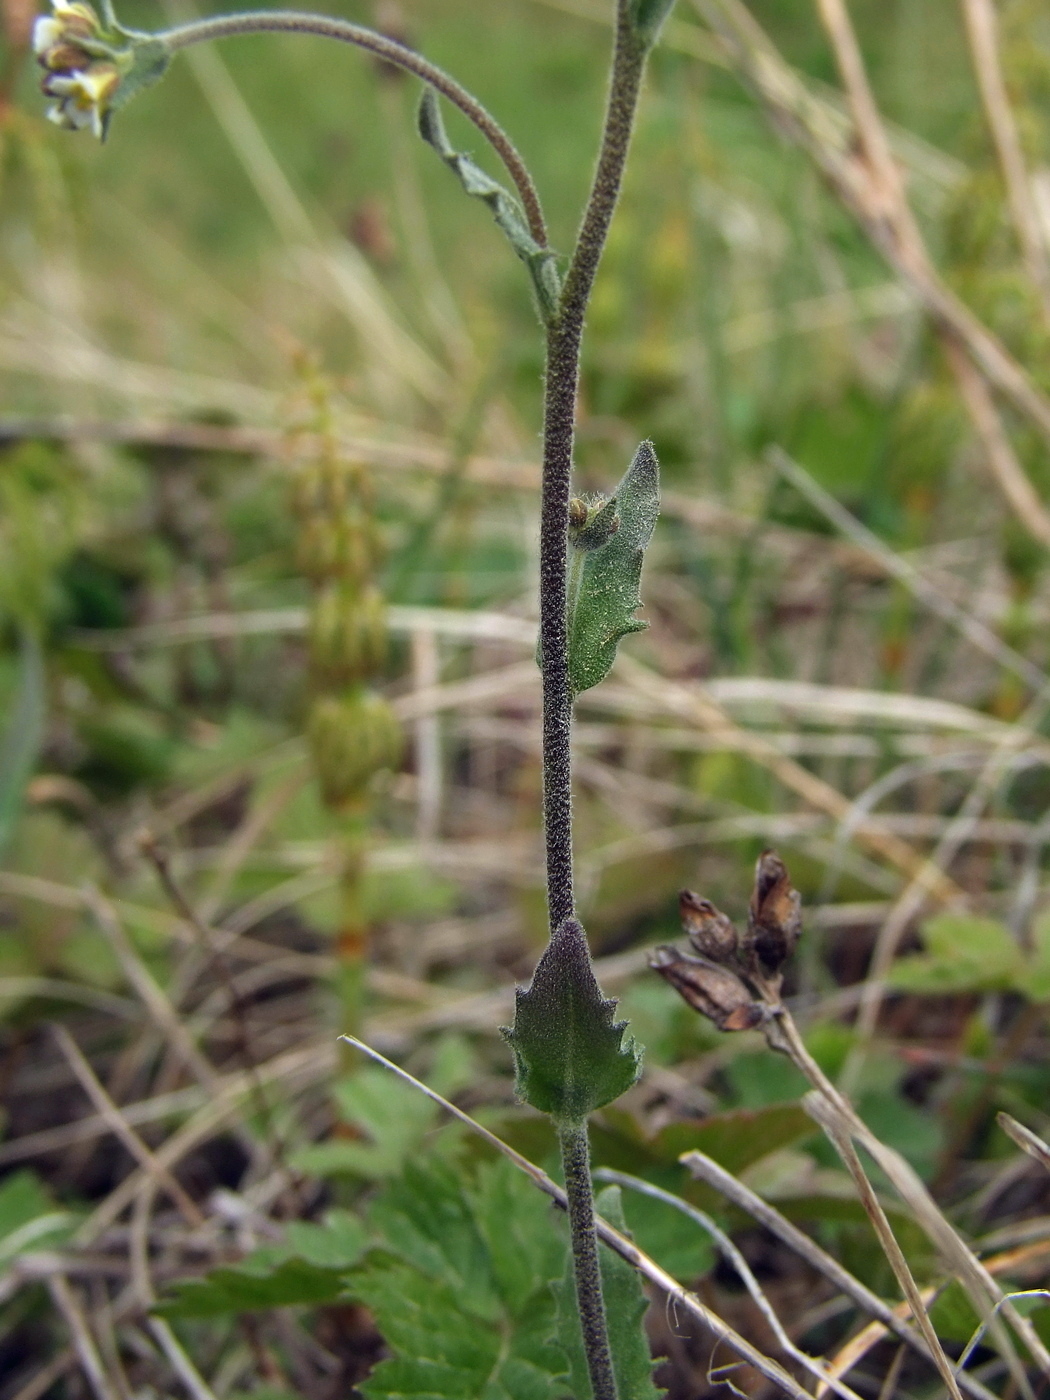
<point>603,581</point>
<point>625,1309</point>
<point>461,1287</point>
<point>571,1056</point>
<point>506,210</point>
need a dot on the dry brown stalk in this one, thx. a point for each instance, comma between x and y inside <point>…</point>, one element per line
<point>982,33</point>
<point>888,1319</point>
<point>690,702</point>
<point>83,1342</point>
<point>868,183</point>
<point>821,1108</point>
<point>91,1085</point>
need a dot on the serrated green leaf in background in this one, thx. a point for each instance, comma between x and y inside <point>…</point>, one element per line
<point>506,210</point>
<point>625,1309</point>
<point>964,953</point>
<point>571,1057</point>
<point>307,1270</point>
<point>461,1287</point>
<point>263,1280</point>
<point>604,583</point>
<point>394,1118</point>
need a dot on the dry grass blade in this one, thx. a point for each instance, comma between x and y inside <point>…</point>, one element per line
<point>982,32</point>
<point>889,1319</point>
<point>688,1302</point>
<point>868,184</point>
<point>1025,1139</point>
<point>83,1342</point>
<point>122,1129</point>
<point>823,1111</point>
<point>984,1292</point>
<point>906,574</point>
<point>816,1368</point>
<point>689,702</point>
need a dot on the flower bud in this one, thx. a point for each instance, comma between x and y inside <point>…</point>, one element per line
<point>348,637</point>
<point>352,738</point>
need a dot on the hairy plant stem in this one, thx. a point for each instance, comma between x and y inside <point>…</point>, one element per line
<point>328,27</point>
<point>576,1163</point>
<point>564,336</point>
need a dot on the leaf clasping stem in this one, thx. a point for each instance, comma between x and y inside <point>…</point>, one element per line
<point>329,27</point>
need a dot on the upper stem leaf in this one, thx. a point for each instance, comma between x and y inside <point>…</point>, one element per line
<point>571,1056</point>
<point>604,581</point>
<point>506,210</point>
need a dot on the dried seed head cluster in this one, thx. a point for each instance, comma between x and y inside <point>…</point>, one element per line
<point>734,979</point>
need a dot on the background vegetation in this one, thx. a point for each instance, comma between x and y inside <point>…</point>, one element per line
<point>264,270</point>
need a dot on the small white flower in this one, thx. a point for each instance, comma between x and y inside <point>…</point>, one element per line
<point>84,97</point>
<point>47,34</point>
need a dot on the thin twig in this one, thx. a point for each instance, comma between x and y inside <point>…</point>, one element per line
<point>816,1368</point>
<point>707,1170</point>
<point>982,33</point>
<point>95,1091</point>
<point>820,1108</point>
<point>83,1342</point>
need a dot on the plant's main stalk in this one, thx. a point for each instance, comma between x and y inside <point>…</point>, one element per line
<point>564,336</point>
<point>576,1162</point>
<point>562,382</point>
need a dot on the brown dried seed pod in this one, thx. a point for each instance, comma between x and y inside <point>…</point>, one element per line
<point>714,991</point>
<point>710,931</point>
<point>775,914</point>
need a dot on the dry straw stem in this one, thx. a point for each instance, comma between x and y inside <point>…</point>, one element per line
<point>931,597</point>
<point>83,1342</point>
<point>982,33</point>
<point>869,185</point>
<point>1025,1139</point>
<point>88,1080</point>
<point>676,1294</point>
<point>889,1319</point>
<point>692,703</point>
<point>862,1342</point>
<point>820,1108</point>
<point>986,1295</point>
<point>816,1368</point>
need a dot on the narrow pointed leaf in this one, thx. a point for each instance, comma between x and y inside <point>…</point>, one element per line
<point>505,208</point>
<point>604,583</point>
<point>625,1308</point>
<point>571,1056</point>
